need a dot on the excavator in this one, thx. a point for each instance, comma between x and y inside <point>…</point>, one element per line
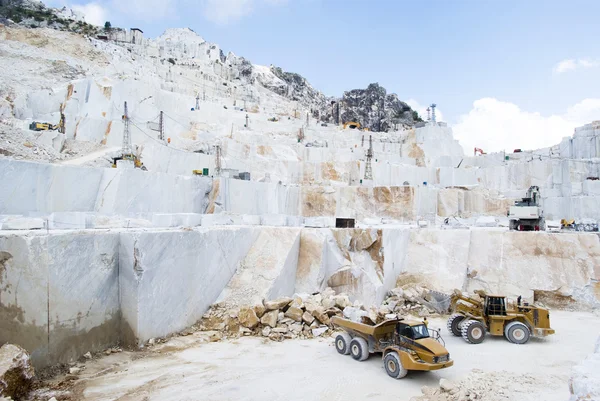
<point>478,150</point>
<point>527,213</point>
<point>38,126</point>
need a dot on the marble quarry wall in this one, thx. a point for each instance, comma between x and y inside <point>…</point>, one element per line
<point>59,293</point>
<point>54,188</point>
<point>66,293</point>
<point>27,187</point>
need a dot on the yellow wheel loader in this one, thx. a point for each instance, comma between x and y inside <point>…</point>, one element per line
<point>473,318</point>
<point>404,345</point>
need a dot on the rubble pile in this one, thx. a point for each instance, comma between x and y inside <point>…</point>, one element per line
<point>478,385</point>
<point>302,316</point>
<point>413,299</point>
<point>308,316</point>
<point>16,372</point>
<point>584,383</point>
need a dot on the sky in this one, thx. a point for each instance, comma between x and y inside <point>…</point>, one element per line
<point>505,74</point>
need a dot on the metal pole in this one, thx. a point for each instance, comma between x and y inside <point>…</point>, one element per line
<point>161,127</point>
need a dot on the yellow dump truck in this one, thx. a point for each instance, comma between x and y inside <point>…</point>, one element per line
<point>405,345</point>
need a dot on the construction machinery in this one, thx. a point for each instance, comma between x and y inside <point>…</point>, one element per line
<point>135,157</point>
<point>472,318</point>
<point>478,150</point>
<point>404,345</point>
<point>527,213</point>
<point>137,162</point>
<point>567,224</point>
<point>352,125</point>
<point>37,126</point>
<point>586,225</point>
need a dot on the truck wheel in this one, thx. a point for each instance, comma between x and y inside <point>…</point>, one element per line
<point>359,349</point>
<point>342,343</point>
<point>473,332</point>
<point>393,366</point>
<point>453,324</point>
<point>517,333</point>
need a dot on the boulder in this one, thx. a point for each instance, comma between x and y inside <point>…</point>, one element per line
<point>16,372</point>
<point>354,314</point>
<point>342,301</point>
<point>259,310</point>
<point>278,303</point>
<point>328,302</point>
<point>75,371</point>
<point>270,318</point>
<point>280,330</point>
<point>248,318</point>
<point>336,312</point>
<point>311,306</point>
<point>373,315</point>
<point>328,293</point>
<point>294,313</point>
<point>321,316</point>
<point>308,318</point>
<point>266,331</point>
<point>297,303</point>
<point>447,386</point>
<point>296,328</point>
<point>319,331</point>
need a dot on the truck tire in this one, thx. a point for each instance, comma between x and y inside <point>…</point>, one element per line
<point>342,343</point>
<point>517,333</point>
<point>473,332</point>
<point>453,324</point>
<point>393,366</point>
<point>359,349</point>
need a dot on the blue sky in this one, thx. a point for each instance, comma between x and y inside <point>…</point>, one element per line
<point>453,53</point>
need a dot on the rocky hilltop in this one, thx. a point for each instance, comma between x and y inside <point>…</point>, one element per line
<point>35,14</point>
<point>372,107</point>
<point>375,109</point>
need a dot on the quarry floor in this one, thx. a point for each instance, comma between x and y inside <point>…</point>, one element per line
<point>250,368</point>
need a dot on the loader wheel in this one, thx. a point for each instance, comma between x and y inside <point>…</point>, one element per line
<point>473,332</point>
<point>342,343</point>
<point>453,324</point>
<point>359,349</point>
<point>517,333</point>
<point>393,366</point>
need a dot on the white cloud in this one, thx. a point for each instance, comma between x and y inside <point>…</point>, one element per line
<point>422,110</point>
<point>494,125</point>
<point>94,13</point>
<point>572,64</point>
<point>227,11</point>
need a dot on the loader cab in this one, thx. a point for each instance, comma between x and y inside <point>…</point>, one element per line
<point>495,305</point>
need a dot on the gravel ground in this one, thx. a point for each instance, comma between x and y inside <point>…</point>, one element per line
<point>188,368</point>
